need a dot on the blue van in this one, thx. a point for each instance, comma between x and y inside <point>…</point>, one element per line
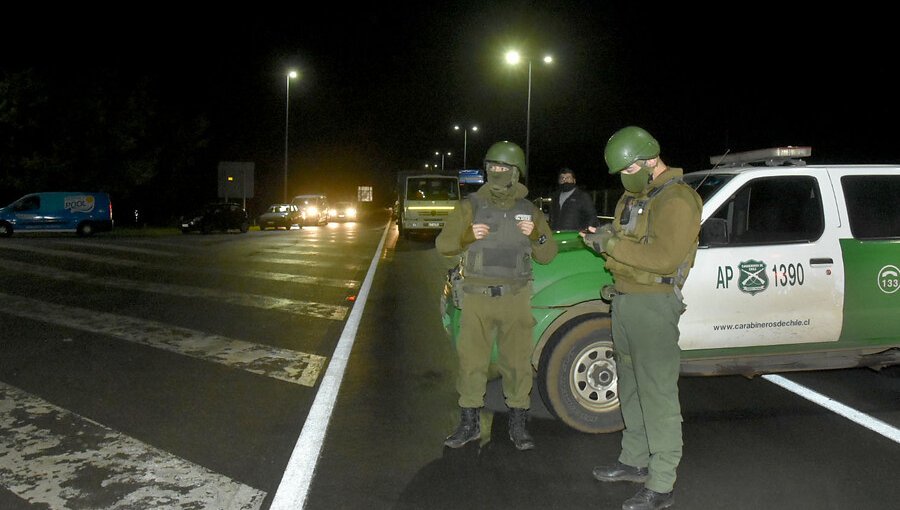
<point>58,211</point>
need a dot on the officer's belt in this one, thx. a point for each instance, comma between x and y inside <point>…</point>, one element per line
<point>668,280</point>
<point>493,290</point>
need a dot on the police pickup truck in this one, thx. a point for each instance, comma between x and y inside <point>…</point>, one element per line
<point>798,268</point>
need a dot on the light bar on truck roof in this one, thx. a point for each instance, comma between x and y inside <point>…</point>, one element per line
<point>772,157</point>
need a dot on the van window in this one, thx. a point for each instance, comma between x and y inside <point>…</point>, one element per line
<point>872,205</point>
<point>774,210</point>
<point>32,203</point>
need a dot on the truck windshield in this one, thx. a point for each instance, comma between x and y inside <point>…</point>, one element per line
<point>432,188</point>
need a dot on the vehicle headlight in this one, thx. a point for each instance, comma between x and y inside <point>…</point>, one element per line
<point>332,212</point>
<point>312,210</point>
<point>351,212</point>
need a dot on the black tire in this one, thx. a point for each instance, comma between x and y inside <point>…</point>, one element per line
<point>245,226</point>
<point>577,376</point>
<point>6,229</point>
<point>85,229</point>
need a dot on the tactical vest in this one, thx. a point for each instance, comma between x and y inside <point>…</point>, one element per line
<point>634,223</point>
<point>505,254</point>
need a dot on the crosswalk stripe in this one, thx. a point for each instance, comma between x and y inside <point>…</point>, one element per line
<point>264,275</point>
<point>50,456</point>
<point>293,306</point>
<point>283,364</point>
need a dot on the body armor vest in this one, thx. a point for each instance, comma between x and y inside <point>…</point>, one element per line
<point>634,223</point>
<point>505,254</point>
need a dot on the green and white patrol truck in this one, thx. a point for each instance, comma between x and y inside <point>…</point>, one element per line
<point>798,268</point>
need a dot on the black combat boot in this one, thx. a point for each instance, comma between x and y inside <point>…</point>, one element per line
<point>517,433</point>
<point>468,430</point>
<point>647,499</point>
<point>619,472</point>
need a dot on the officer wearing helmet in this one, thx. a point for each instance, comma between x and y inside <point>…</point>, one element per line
<point>649,248</point>
<point>496,233</point>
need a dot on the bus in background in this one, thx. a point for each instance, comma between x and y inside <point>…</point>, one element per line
<point>424,200</point>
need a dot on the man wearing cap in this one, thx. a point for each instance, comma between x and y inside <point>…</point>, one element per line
<point>649,248</point>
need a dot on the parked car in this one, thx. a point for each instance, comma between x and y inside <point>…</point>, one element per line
<point>280,216</point>
<point>796,270</point>
<point>343,211</point>
<point>314,208</point>
<point>81,212</point>
<point>219,216</point>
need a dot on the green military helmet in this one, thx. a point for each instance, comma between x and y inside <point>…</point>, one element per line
<point>628,145</point>
<point>507,153</point>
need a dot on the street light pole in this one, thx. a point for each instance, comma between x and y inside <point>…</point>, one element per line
<point>287,109</point>
<point>442,158</point>
<point>465,140</point>
<point>528,122</point>
<point>513,57</point>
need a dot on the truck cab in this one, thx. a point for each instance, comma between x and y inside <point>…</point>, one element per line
<point>424,201</point>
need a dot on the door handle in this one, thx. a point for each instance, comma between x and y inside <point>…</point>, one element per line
<point>821,261</point>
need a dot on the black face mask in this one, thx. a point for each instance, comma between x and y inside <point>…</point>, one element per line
<point>567,186</point>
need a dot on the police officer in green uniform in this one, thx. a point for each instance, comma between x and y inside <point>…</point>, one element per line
<point>649,248</point>
<point>497,232</point>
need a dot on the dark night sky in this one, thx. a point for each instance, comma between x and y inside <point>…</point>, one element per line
<point>383,85</point>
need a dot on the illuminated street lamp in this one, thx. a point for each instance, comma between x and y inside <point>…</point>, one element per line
<point>513,57</point>
<point>441,154</point>
<point>465,139</point>
<point>287,109</point>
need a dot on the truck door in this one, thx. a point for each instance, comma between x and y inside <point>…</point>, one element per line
<point>778,277</point>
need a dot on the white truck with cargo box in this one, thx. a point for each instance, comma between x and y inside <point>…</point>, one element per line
<point>424,200</point>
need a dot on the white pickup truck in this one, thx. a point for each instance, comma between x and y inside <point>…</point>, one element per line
<point>797,269</point>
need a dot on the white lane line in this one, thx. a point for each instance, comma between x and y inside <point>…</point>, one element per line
<point>58,459</point>
<point>293,306</point>
<point>264,275</point>
<point>306,262</point>
<point>115,247</point>
<point>295,483</point>
<point>283,364</point>
<point>869,422</point>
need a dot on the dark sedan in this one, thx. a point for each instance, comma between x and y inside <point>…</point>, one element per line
<point>221,216</point>
<point>280,216</point>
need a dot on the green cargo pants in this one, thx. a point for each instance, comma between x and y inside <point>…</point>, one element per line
<point>508,319</point>
<point>648,359</point>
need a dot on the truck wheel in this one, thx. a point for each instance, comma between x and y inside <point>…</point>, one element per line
<point>85,229</point>
<point>6,229</point>
<point>577,376</point>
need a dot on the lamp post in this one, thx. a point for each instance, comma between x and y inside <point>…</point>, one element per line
<point>287,109</point>
<point>513,57</point>
<point>465,140</point>
<point>441,154</point>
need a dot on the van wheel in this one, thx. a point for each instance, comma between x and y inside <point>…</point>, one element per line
<point>245,227</point>
<point>6,229</point>
<point>85,229</point>
<point>577,376</point>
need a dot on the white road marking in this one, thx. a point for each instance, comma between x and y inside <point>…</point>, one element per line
<point>116,247</point>
<point>295,483</point>
<point>58,459</point>
<point>869,422</point>
<point>264,275</point>
<point>305,308</point>
<point>283,364</point>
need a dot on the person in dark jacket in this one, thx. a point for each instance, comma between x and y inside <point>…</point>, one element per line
<point>572,208</point>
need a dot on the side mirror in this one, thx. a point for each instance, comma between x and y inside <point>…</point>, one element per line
<point>714,232</point>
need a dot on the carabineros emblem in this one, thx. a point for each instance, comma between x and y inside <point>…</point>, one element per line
<point>753,278</point>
